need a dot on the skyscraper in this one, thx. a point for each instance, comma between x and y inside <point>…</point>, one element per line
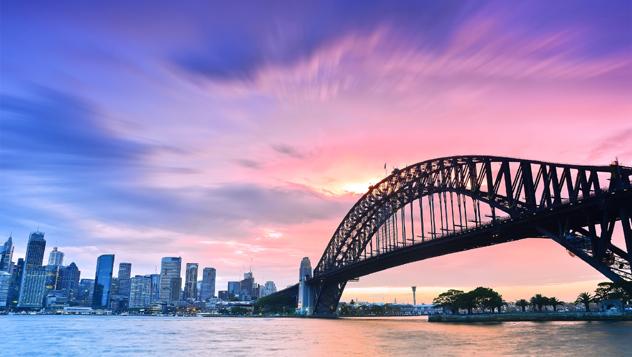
<point>55,257</point>
<point>33,284</point>
<point>16,282</point>
<point>6,254</point>
<point>247,286</point>
<point>85,293</point>
<point>140,291</point>
<point>5,288</point>
<point>103,281</point>
<point>190,282</point>
<point>170,279</point>
<point>69,280</point>
<point>124,274</point>
<point>207,290</point>
<point>234,288</point>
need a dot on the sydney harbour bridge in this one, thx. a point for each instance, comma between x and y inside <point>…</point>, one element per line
<point>458,203</point>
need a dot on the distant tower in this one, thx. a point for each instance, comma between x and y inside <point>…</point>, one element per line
<point>33,284</point>
<point>170,279</point>
<point>305,271</point>
<point>414,295</point>
<point>56,258</point>
<point>207,289</point>
<point>124,279</point>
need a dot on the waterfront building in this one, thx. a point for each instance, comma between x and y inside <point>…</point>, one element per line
<point>33,289</point>
<point>124,282</point>
<point>170,279</point>
<point>69,280</point>
<point>6,254</point>
<point>304,296</point>
<point>103,281</point>
<point>207,289</point>
<point>190,283</point>
<point>33,283</point>
<point>140,291</point>
<point>85,293</point>
<point>55,258</point>
<point>5,288</point>
<point>268,288</point>
<point>155,288</point>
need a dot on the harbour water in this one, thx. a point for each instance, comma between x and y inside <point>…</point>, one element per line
<point>217,336</point>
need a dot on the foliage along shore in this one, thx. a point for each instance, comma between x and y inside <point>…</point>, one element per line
<point>532,316</point>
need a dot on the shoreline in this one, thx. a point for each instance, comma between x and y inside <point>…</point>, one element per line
<point>532,316</point>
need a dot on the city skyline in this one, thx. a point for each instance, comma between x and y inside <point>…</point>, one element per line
<point>244,142</point>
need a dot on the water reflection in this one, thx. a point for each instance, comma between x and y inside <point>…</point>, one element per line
<point>68,335</point>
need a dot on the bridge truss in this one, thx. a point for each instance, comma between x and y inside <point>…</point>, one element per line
<point>452,204</point>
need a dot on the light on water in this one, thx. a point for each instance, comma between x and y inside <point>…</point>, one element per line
<point>170,336</point>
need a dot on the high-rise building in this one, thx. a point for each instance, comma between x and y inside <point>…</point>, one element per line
<point>6,254</point>
<point>35,250</point>
<point>16,282</point>
<point>52,277</point>
<point>247,287</point>
<point>33,288</point>
<point>207,289</point>
<point>103,281</point>
<point>190,282</point>
<point>304,295</point>
<point>85,293</point>
<point>268,288</point>
<point>170,279</point>
<point>33,283</point>
<point>5,288</point>
<point>55,258</point>
<point>124,274</point>
<point>140,291</point>
<point>234,288</point>
<point>155,288</point>
<point>69,281</point>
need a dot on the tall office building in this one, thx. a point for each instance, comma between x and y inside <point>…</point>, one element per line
<point>140,291</point>
<point>56,257</point>
<point>69,281</point>
<point>33,288</point>
<point>6,254</point>
<point>170,279</point>
<point>52,277</point>
<point>124,274</point>
<point>155,288</point>
<point>190,282</point>
<point>207,289</point>
<point>247,287</point>
<point>304,296</point>
<point>16,281</point>
<point>85,293</point>
<point>234,288</point>
<point>33,284</point>
<point>103,281</point>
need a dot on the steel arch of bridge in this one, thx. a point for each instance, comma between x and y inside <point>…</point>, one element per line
<point>465,202</point>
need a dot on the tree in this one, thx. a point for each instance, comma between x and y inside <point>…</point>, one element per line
<point>448,300</point>
<point>553,301</point>
<point>609,290</point>
<point>538,301</point>
<point>466,301</point>
<point>586,299</point>
<point>522,303</point>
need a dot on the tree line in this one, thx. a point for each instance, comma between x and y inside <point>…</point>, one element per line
<point>488,300</point>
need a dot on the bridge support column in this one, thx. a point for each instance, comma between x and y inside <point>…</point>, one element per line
<point>326,297</point>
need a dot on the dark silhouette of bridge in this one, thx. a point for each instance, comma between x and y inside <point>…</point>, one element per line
<point>453,204</point>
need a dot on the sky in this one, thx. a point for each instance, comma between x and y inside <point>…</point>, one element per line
<point>238,134</point>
